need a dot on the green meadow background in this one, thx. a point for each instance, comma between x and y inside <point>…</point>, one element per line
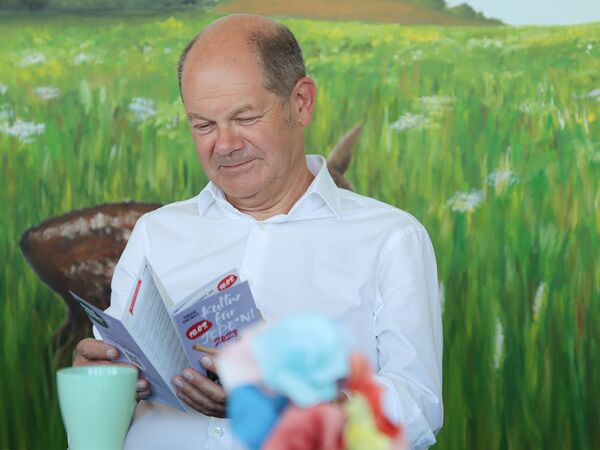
<point>489,136</point>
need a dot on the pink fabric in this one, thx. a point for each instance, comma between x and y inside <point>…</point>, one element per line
<point>318,427</point>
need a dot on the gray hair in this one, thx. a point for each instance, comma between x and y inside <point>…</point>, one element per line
<point>279,57</point>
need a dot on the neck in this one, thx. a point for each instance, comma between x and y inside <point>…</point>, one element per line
<point>280,203</point>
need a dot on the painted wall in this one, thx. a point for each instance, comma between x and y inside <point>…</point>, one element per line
<point>490,136</point>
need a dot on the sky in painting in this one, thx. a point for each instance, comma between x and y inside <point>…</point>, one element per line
<point>537,12</point>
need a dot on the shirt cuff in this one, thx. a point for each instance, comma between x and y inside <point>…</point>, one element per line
<point>402,409</point>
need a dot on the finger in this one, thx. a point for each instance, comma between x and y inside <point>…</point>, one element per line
<point>211,369</point>
<point>198,401</point>
<point>209,388</point>
<point>143,389</point>
<point>142,384</point>
<point>213,409</point>
<point>93,349</point>
<point>213,405</point>
<point>124,364</point>
<point>199,397</point>
<point>82,362</point>
<point>198,406</point>
<point>143,395</point>
<point>208,363</point>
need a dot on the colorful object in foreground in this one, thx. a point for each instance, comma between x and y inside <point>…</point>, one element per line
<point>282,381</point>
<point>318,427</point>
<point>361,381</point>
<point>302,357</point>
<point>361,431</point>
<point>253,414</point>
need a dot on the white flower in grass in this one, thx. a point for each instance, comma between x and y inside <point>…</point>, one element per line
<point>535,107</point>
<point>431,107</point>
<point>5,114</point>
<point>510,48</point>
<point>46,92</point>
<point>409,121</point>
<point>502,178</point>
<point>82,58</point>
<point>538,300</point>
<point>595,94</point>
<point>594,153</point>
<point>416,55</point>
<point>465,201</point>
<point>564,117</point>
<point>499,345</point>
<point>142,108</point>
<point>24,131</point>
<point>437,104</point>
<point>167,50</point>
<point>3,89</point>
<point>30,59</point>
<point>484,43</point>
<point>526,107</point>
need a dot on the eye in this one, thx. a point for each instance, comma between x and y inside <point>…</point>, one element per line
<point>203,128</point>
<point>248,120</point>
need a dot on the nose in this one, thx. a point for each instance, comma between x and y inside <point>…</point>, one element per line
<point>228,141</point>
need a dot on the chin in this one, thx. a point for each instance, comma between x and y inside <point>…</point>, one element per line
<point>242,187</point>
<point>238,192</point>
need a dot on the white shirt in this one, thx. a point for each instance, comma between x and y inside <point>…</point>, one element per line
<point>363,262</point>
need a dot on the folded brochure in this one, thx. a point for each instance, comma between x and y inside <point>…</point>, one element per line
<point>162,338</point>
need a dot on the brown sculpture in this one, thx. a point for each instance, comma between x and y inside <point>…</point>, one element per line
<point>78,251</point>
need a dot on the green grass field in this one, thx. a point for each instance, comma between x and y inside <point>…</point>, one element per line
<point>489,136</point>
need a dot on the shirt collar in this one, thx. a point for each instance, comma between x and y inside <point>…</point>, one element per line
<point>321,192</point>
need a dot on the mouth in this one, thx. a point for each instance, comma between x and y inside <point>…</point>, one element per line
<point>235,165</point>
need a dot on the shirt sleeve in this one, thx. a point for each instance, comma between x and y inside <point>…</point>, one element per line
<point>408,326</point>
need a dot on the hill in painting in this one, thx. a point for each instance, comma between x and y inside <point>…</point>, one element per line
<point>390,11</point>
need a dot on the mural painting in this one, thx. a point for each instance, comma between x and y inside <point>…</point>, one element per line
<point>487,132</point>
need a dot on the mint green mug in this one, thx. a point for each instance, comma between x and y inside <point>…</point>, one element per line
<point>96,403</point>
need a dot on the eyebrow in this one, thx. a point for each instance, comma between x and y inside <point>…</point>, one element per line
<point>236,112</point>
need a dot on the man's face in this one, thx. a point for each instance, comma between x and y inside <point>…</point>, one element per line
<point>244,135</point>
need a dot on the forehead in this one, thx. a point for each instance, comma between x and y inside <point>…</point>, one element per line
<point>222,80</point>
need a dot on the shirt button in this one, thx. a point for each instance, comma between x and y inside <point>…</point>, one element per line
<point>218,432</point>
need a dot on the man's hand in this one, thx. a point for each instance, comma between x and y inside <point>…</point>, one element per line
<point>199,392</point>
<point>93,352</point>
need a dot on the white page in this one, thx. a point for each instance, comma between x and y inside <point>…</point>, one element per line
<point>148,321</point>
<point>113,332</point>
<point>162,291</point>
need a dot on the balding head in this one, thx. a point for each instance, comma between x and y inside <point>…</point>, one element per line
<point>247,101</point>
<point>273,45</point>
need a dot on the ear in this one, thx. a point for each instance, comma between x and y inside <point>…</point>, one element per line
<point>303,100</point>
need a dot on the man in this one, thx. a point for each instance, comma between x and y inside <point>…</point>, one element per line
<point>277,216</point>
